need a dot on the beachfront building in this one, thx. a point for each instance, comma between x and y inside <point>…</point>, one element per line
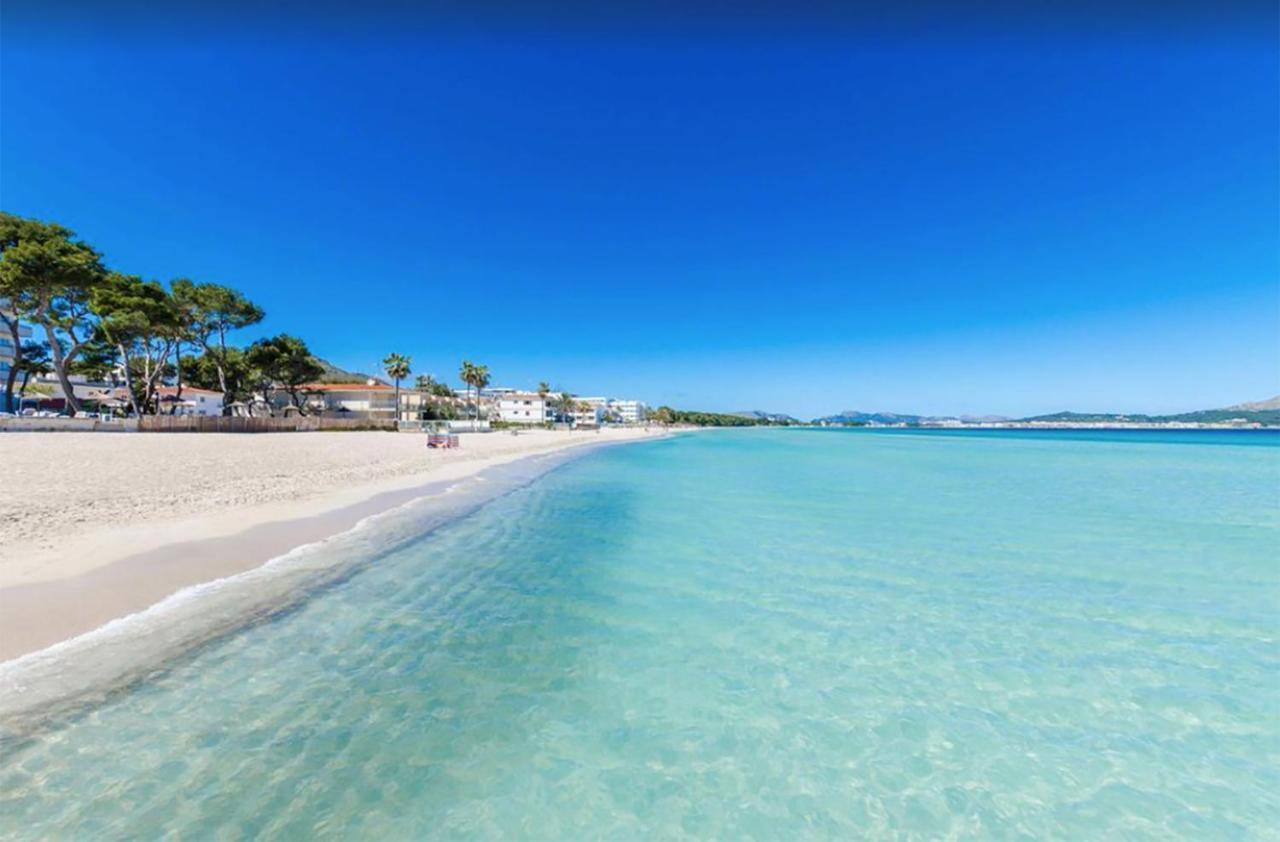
<point>371,399</point>
<point>7,349</point>
<point>587,415</point>
<point>46,391</point>
<point>416,405</point>
<point>193,401</point>
<point>514,407</point>
<point>616,411</point>
<point>629,411</point>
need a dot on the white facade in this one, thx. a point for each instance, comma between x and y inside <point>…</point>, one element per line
<point>361,400</point>
<point>629,412</point>
<point>524,408</point>
<point>193,402</point>
<point>7,349</point>
<point>593,416</point>
<point>618,411</point>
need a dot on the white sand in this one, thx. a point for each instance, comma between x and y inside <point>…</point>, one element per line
<point>74,507</point>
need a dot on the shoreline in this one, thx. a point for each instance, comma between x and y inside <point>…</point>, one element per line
<point>99,575</point>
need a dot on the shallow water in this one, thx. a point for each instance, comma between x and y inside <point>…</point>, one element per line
<point>764,634</point>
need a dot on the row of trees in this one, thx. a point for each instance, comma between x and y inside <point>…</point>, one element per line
<point>145,335</point>
<point>112,325</point>
<point>667,415</point>
<point>476,377</point>
<point>438,398</point>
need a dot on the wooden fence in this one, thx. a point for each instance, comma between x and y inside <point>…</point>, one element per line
<point>230,424</point>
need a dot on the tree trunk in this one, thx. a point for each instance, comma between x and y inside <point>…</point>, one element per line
<point>220,364</point>
<point>60,363</point>
<point>177,364</point>
<point>12,324</point>
<point>397,409</point>
<point>128,380</point>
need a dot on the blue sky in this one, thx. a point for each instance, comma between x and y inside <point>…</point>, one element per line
<point>793,215</point>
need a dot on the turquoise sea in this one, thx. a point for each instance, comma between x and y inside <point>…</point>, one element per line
<point>756,634</point>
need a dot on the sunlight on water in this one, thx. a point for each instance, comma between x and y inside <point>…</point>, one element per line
<point>759,634</point>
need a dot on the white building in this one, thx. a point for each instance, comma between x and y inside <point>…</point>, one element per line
<point>587,415</point>
<point>370,399</point>
<point>629,412</point>
<point>524,408</point>
<point>7,350</point>
<point>617,411</point>
<point>193,401</point>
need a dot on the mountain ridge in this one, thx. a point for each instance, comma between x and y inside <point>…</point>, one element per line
<point>334,374</point>
<point>775,417</point>
<point>1261,412</point>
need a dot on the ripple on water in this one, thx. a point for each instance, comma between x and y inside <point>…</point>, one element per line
<point>761,635</point>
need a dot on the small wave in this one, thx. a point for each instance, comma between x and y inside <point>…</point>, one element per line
<point>87,669</point>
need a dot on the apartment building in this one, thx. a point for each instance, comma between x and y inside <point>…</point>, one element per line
<point>629,412</point>
<point>524,408</point>
<point>7,350</point>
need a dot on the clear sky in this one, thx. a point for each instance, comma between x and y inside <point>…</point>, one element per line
<point>803,213</point>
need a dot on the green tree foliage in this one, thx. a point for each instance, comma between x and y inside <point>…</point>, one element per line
<point>212,312</point>
<point>477,377</point>
<point>47,274</point>
<point>140,319</point>
<point>431,407</point>
<point>98,360</point>
<point>228,372</point>
<point>667,415</point>
<point>397,367</point>
<point>663,415</point>
<point>284,362</point>
<point>33,361</point>
<point>565,405</point>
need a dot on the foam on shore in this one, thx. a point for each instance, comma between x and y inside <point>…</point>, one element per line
<point>87,669</point>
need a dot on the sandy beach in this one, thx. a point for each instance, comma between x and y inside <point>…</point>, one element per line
<point>98,526</point>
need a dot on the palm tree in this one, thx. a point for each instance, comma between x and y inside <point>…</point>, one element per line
<point>474,376</point>
<point>482,380</point>
<point>544,389</point>
<point>584,407</point>
<point>397,368</point>
<point>466,373</point>
<point>565,405</point>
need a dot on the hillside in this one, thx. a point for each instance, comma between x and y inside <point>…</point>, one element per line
<point>772,417</point>
<point>853,416</point>
<point>1259,412</point>
<point>1257,406</point>
<point>333,374</point>
<point>1270,417</point>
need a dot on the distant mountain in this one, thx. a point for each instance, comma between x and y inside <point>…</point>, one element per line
<point>854,416</point>
<point>1256,406</point>
<point>333,374</point>
<point>774,417</point>
<point>1262,412</point>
